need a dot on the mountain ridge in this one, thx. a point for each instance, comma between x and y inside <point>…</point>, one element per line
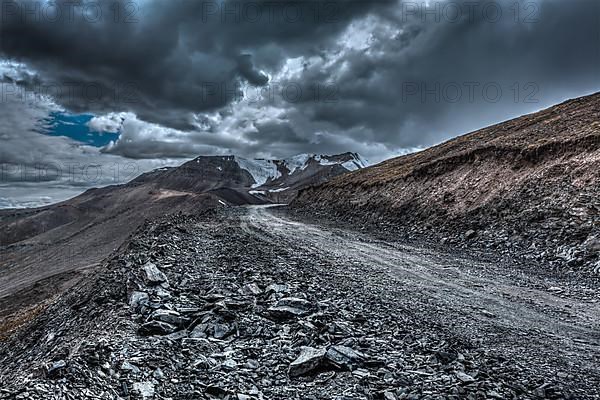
<point>57,244</point>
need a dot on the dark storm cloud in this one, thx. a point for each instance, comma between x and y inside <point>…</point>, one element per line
<point>424,77</point>
<point>275,132</point>
<point>248,71</point>
<point>163,59</point>
<point>376,77</point>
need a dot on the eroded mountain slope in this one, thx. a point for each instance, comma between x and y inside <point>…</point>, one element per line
<point>532,183</point>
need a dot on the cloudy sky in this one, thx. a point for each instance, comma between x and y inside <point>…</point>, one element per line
<point>94,92</point>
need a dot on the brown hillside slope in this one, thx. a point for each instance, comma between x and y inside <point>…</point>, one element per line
<point>45,251</point>
<point>532,183</point>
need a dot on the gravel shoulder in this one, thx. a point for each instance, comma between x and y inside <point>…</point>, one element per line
<point>477,300</point>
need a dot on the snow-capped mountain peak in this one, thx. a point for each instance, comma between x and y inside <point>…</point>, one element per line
<point>261,170</point>
<point>268,172</point>
<point>240,180</point>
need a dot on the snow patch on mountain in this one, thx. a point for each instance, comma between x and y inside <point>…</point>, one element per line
<point>356,163</point>
<point>264,171</point>
<point>301,161</point>
<point>350,165</point>
<point>297,162</point>
<point>261,170</point>
<point>324,160</point>
<point>279,190</point>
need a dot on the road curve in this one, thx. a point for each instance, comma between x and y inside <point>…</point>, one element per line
<point>493,305</point>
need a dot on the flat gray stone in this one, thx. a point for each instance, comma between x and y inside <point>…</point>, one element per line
<point>137,299</point>
<point>157,328</point>
<point>168,316</point>
<point>344,357</point>
<point>309,359</point>
<point>152,275</point>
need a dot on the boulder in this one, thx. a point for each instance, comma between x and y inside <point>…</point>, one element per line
<point>199,331</point>
<point>156,328</point>
<point>169,316</point>
<point>276,288</point>
<point>290,307</point>
<point>592,244</point>
<point>310,359</point>
<point>464,378</point>
<point>152,275</point>
<point>55,368</point>
<point>252,288</point>
<point>145,390</point>
<point>137,300</point>
<point>344,357</point>
<point>220,331</point>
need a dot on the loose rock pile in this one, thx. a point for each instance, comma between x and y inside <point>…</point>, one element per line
<point>197,308</point>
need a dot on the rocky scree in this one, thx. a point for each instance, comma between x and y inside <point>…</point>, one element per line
<point>197,308</point>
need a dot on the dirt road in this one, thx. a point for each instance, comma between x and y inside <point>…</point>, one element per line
<point>510,312</point>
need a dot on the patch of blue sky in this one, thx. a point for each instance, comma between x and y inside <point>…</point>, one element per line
<point>75,127</point>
